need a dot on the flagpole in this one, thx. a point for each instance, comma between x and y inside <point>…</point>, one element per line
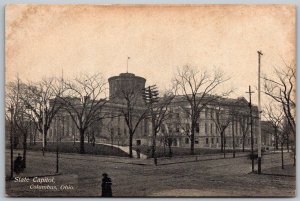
<point>127,63</point>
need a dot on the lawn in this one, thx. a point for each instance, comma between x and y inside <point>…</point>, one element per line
<point>70,147</point>
<point>100,149</point>
<point>182,151</point>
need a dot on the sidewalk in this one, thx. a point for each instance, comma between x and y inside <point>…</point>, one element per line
<point>125,149</point>
<point>122,148</point>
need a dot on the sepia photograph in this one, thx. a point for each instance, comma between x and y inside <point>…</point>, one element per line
<point>149,101</point>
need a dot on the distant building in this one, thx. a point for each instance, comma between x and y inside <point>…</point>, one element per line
<point>114,129</point>
<point>206,132</point>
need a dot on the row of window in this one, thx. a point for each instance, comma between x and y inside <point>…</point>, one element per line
<point>216,140</point>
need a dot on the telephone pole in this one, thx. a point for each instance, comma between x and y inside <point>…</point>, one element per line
<point>150,95</point>
<point>251,126</point>
<point>259,116</point>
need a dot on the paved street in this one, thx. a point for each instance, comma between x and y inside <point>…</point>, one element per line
<point>80,175</point>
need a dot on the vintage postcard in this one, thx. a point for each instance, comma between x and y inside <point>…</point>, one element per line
<point>150,100</point>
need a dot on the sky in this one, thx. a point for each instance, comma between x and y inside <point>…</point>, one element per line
<point>44,40</point>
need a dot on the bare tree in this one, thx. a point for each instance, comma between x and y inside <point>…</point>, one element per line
<point>236,111</point>
<point>222,118</point>
<point>284,135</point>
<point>23,122</point>
<point>244,121</point>
<point>41,99</point>
<point>282,89</point>
<point>91,131</point>
<point>84,99</point>
<point>167,136</point>
<point>199,89</point>
<point>133,111</point>
<point>172,125</point>
<point>276,117</point>
<point>159,113</point>
<point>22,118</point>
<point>185,125</point>
<point>110,129</point>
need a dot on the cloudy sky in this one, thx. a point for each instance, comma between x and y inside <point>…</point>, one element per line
<point>41,40</point>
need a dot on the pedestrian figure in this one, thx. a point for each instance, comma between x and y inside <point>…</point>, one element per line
<point>18,164</point>
<point>106,186</point>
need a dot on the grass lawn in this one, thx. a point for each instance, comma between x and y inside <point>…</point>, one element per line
<point>70,147</point>
<point>182,151</point>
<point>100,149</point>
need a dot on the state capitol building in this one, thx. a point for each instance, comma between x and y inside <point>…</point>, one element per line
<point>114,130</point>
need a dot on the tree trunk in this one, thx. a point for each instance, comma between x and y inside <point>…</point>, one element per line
<point>153,139</point>
<point>294,156</point>
<point>24,149</point>
<point>222,142</point>
<point>233,141</point>
<point>130,144</point>
<point>282,164</point>
<point>192,139</point>
<point>244,143</point>
<point>170,151</point>
<point>294,143</point>
<point>170,147</point>
<point>45,134</point>
<point>112,142</point>
<point>224,145</point>
<point>30,135</point>
<point>164,142</point>
<point>16,138</point>
<point>276,139</point>
<point>81,150</point>
<point>34,137</point>
<point>93,140</point>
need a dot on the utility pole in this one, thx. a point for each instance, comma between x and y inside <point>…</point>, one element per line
<point>259,117</point>
<point>150,95</point>
<point>251,126</point>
